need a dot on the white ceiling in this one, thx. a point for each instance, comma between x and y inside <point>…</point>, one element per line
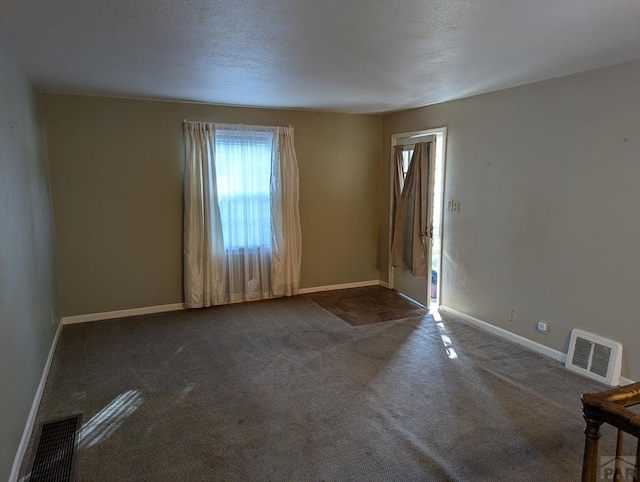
<point>338,55</point>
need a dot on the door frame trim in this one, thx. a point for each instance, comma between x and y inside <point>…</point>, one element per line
<point>394,140</point>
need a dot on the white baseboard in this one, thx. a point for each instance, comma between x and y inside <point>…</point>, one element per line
<point>343,286</point>
<point>622,381</point>
<point>108,315</point>
<point>501,332</point>
<point>521,340</point>
<point>384,284</point>
<point>31,419</point>
<point>145,310</point>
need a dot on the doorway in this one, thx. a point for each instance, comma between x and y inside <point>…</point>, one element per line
<point>427,291</point>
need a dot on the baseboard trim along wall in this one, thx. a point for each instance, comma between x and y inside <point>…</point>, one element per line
<point>343,286</point>
<point>31,419</point>
<point>109,315</point>
<point>521,340</point>
<point>496,330</point>
<point>146,310</point>
<point>622,381</point>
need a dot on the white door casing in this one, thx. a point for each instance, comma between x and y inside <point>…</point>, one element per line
<point>399,279</point>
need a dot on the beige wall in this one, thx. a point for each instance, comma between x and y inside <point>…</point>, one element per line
<point>116,174</point>
<point>28,291</point>
<point>548,179</point>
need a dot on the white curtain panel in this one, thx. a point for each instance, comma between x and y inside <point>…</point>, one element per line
<point>204,253</point>
<point>243,170</point>
<point>285,216</point>
<point>242,237</point>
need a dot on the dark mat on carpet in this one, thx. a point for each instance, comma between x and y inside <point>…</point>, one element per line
<point>362,306</point>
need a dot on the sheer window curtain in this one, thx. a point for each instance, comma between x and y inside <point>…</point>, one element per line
<point>243,165</point>
<point>251,178</point>
<point>409,245</point>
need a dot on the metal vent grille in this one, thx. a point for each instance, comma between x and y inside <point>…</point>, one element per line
<point>582,353</point>
<point>55,458</point>
<point>600,360</point>
<point>595,356</point>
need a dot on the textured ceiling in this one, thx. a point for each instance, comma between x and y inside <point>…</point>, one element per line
<point>338,55</point>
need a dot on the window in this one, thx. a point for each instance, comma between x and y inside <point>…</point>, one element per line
<point>243,176</point>
<point>230,192</point>
<point>407,153</point>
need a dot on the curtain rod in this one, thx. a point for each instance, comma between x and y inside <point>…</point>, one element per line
<point>184,121</point>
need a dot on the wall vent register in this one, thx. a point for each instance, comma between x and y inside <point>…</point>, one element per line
<point>594,356</point>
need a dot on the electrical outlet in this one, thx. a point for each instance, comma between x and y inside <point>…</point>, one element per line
<point>542,327</point>
<point>513,315</point>
<point>456,206</point>
<point>450,205</point>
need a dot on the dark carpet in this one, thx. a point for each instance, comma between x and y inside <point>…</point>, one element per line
<point>283,390</point>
